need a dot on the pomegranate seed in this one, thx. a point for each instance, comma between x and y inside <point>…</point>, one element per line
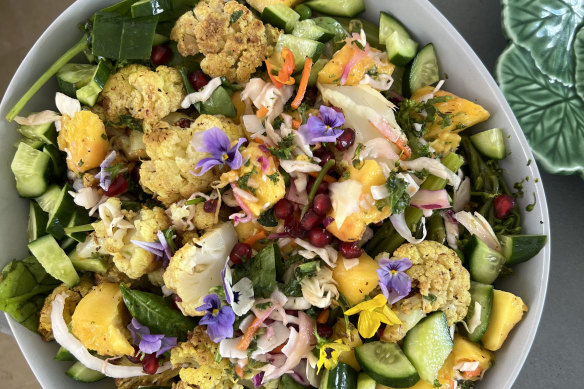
<point>292,227</point>
<point>118,186</point>
<point>322,204</point>
<point>160,55</point>
<point>324,331</point>
<point>136,357</point>
<point>324,155</point>
<point>198,79</point>
<point>283,209</point>
<point>320,237</point>
<point>150,364</point>
<point>504,204</point>
<point>350,250</point>
<point>380,331</point>
<point>184,123</point>
<point>345,140</point>
<point>240,253</point>
<point>210,206</point>
<point>310,220</point>
<point>175,300</point>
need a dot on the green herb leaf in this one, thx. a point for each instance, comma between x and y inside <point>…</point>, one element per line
<point>261,270</point>
<point>242,181</point>
<point>128,122</point>
<point>267,218</point>
<point>284,148</point>
<point>235,16</point>
<point>398,198</point>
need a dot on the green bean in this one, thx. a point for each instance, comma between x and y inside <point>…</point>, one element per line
<point>436,230</point>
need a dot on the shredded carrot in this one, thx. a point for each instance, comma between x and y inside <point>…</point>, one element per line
<point>262,112</point>
<point>278,349</point>
<point>296,124</point>
<point>326,177</point>
<point>274,79</point>
<point>323,316</point>
<point>288,68</point>
<point>239,371</point>
<point>303,83</point>
<point>470,374</point>
<point>254,238</point>
<point>407,152</point>
<point>249,333</point>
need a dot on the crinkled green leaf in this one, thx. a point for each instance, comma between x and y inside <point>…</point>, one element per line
<point>546,28</point>
<point>550,113</point>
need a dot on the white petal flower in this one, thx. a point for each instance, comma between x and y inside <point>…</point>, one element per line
<point>243,298</point>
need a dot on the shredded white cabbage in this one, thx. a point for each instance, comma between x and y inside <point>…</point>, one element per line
<point>202,95</point>
<point>320,289</point>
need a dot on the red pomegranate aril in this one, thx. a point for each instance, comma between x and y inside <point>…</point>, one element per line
<point>160,55</point>
<point>324,331</point>
<point>136,357</point>
<point>118,186</point>
<point>175,300</point>
<point>310,220</point>
<point>322,204</point>
<point>150,364</point>
<point>240,253</point>
<point>198,79</point>
<point>320,237</point>
<point>345,140</point>
<point>504,205</point>
<point>324,155</point>
<point>283,209</point>
<point>379,332</point>
<point>210,206</point>
<point>350,250</point>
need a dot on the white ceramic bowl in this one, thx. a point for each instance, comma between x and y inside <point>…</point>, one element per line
<point>466,76</point>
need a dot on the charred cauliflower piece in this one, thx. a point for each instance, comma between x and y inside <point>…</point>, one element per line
<point>142,93</point>
<point>172,158</point>
<point>234,46</point>
<point>441,281</point>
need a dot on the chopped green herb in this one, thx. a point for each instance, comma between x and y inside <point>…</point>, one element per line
<point>126,121</point>
<point>398,198</point>
<point>104,136</point>
<point>198,200</point>
<point>431,298</point>
<point>80,163</point>
<point>275,177</point>
<point>243,180</point>
<point>115,170</point>
<point>264,306</point>
<point>531,206</point>
<point>284,148</point>
<point>277,124</point>
<point>235,16</point>
<point>267,218</point>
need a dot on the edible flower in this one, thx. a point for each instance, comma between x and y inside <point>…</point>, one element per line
<point>329,354</point>
<point>149,343</point>
<point>240,296</point>
<point>219,320</point>
<point>163,249</point>
<point>322,128</point>
<point>395,284</point>
<point>217,143</point>
<point>104,175</point>
<point>371,314</point>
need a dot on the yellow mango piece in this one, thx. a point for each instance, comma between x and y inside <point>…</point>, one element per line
<point>465,350</point>
<point>239,106</point>
<point>349,358</point>
<point>464,114</point>
<point>259,5</point>
<point>507,311</point>
<point>355,224</point>
<point>100,320</point>
<point>333,70</point>
<point>84,139</point>
<point>358,281</point>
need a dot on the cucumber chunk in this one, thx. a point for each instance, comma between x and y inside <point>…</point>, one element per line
<point>521,248</point>
<point>287,382</point>
<point>300,47</point>
<point>347,8</point>
<point>45,133</point>
<point>388,25</point>
<point>387,364</point>
<point>371,30</point>
<point>423,70</point>
<point>89,93</point>
<point>79,232</point>
<point>400,50</point>
<point>484,263</point>
<point>48,199</point>
<point>342,376</point>
<point>313,78</point>
<point>483,295</point>
<point>95,265</point>
<point>31,170</point>
<point>34,143</point>
<point>58,163</point>
<point>428,344</point>
<point>54,260</point>
<point>365,382</point>
<point>64,355</point>
<point>73,76</point>
<point>60,213</point>
<point>84,374</point>
<point>37,222</point>
<point>281,16</point>
<point>490,143</point>
<point>310,30</point>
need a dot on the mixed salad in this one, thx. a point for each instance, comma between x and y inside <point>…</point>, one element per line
<point>267,193</point>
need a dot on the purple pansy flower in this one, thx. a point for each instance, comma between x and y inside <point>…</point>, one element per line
<point>160,249</point>
<point>219,320</point>
<point>321,128</point>
<point>217,143</point>
<point>104,176</point>
<point>395,284</point>
<point>149,343</point>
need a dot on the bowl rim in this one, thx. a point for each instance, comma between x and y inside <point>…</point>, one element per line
<point>13,91</point>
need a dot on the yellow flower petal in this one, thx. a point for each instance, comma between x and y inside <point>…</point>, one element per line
<point>368,324</point>
<point>390,315</point>
<point>369,305</point>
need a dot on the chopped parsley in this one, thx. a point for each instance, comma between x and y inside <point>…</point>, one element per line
<point>431,298</point>
<point>80,163</point>
<point>398,198</point>
<point>284,148</point>
<point>275,177</point>
<point>242,181</point>
<point>357,163</point>
<point>264,306</point>
<point>277,124</point>
<point>126,121</point>
<point>267,218</point>
<point>235,16</point>
<point>115,170</point>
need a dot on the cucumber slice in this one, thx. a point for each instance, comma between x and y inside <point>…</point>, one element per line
<point>347,8</point>
<point>64,355</point>
<point>301,48</point>
<point>400,50</point>
<point>89,93</point>
<point>37,222</point>
<point>483,295</point>
<point>490,143</point>
<point>428,344</point>
<point>45,133</point>
<point>84,374</point>
<point>77,228</point>
<point>313,78</point>
<point>31,171</point>
<point>365,382</point>
<point>281,16</point>
<point>67,243</point>
<point>73,76</point>
<point>48,199</point>
<point>484,263</point>
<point>387,364</point>
<point>79,232</point>
<point>371,30</point>
<point>423,70</point>
<point>95,265</point>
<point>388,25</point>
<point>54,260</point>
<point>57,160</point>
<point>309,30</point>
<point>34,143</point>
<point>342,376</point>
<point>60,213</point>
<point>521,248</point>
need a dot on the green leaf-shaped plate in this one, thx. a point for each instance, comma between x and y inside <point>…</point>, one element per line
<point>550,113</point>
<point>546,28</point>
<point>579,54</point>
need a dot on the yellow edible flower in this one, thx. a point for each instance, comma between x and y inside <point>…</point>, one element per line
<point>372,313</point>
<point>329,354</point>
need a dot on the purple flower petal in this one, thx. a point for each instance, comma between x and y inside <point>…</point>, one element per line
<point>167,344</point>
<point>331,117</point>
<point>393,282</point>
<point>315,130</point>
<point>222,328</point>
<point>210,302</point>
<point>235,159</point>
<point>104,176</point>
<point>213,141</point>
<point>402,264</point>
<point>401,283</point>
<point>150,343</point>
<point>205,165</point>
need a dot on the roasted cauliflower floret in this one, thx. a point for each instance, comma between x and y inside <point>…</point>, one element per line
<point>196,267</point>
<point>118,227</point>
<point>172,158</point>
<point>441,281</point>
<point>142,93</point>
<point>234,46</point>
<point>161,379</point>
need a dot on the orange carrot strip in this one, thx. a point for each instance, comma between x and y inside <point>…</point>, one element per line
<point>288,68</point>
<point>326,177</point>
<point>249,333</point>
<point>323,316</point>
<point>278,349</point>
<point>303,83</point>
<point>254,238</point>
<point>274,79</point>
<point>471,374</point>
<point>239,371</point>
<point>296,124</point>
<point>263,111</point>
